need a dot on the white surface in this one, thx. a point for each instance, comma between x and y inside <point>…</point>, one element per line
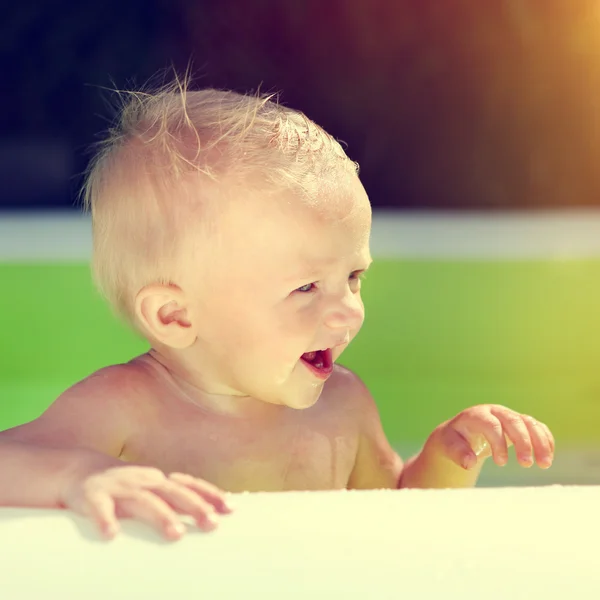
<point>490,544</point>
<point>557,234</point>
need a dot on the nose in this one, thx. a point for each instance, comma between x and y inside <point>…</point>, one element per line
<point>345,312</point>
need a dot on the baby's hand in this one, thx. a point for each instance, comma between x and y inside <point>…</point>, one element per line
<point>489,430</point>
<point>149,495</point>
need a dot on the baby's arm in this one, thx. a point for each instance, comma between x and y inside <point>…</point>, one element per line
<point>456,450</point>
<point>34,475</point>
<point>453,454</point>
<point>68,457</point>
<point>378,466</point>
<point>71,439</point>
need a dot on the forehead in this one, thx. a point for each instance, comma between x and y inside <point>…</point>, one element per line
<point>284,231</point>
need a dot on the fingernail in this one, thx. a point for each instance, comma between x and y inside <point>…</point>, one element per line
<point>469,461</point>
<point>546,462</point>
<point>526,458</point>
<point>110,530</point>
<point>176,529</point>
<point>208,523</point>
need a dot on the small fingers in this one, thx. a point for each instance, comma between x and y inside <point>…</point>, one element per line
<point>490,427</point>
<point>101,509</point>
<point>146,506</point>
<point>207,491</point>
<point>549,437</point>
<point>147,495</point>
<point>458,449</point>
<point>517,431</point>
<point>542,441</point>
<point>187,502</point>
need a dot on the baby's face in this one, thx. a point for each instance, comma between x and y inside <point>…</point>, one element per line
<point>283,281</point>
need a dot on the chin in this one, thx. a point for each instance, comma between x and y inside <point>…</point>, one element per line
<point>304,399</point>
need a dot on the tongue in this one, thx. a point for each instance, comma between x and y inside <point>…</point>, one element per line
<point>314,358</point>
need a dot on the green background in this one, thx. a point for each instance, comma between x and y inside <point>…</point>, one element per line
<point>439,336</point>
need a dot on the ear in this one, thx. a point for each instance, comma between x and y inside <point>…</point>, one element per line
<point>164,314</point>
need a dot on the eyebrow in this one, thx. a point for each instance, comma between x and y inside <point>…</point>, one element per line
<point>316,270</point>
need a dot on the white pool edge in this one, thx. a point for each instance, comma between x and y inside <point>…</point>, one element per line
<point>558,235</point>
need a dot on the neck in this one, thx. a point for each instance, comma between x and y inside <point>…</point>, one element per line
<point>210,396</point>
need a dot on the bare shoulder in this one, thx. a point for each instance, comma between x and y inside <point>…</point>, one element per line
<point>348,386</point>
<point>94,413</point>
<point>376,465</point>
<point>346,391</point>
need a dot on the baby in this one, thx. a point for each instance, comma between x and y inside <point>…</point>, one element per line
<point>232,233</point>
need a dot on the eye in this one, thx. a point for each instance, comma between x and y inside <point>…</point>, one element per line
<point>306,288</point>
<point>355,279</point>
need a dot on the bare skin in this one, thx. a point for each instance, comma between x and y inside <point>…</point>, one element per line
<point>279,449</point>
<point>338,443</point>
<point>224,401</point>
<point>286,449</point>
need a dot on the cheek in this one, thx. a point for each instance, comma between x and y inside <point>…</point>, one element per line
<point>284,335</point>
<point>299,323</point>
<point>228,325</point>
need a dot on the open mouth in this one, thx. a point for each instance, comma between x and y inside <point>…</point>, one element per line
<point>320,362</point>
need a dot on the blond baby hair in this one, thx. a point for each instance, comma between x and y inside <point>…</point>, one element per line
<point>134,185</point>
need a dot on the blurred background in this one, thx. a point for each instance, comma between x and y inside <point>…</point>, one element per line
<point>456,104</point>
<point>477,129</point>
